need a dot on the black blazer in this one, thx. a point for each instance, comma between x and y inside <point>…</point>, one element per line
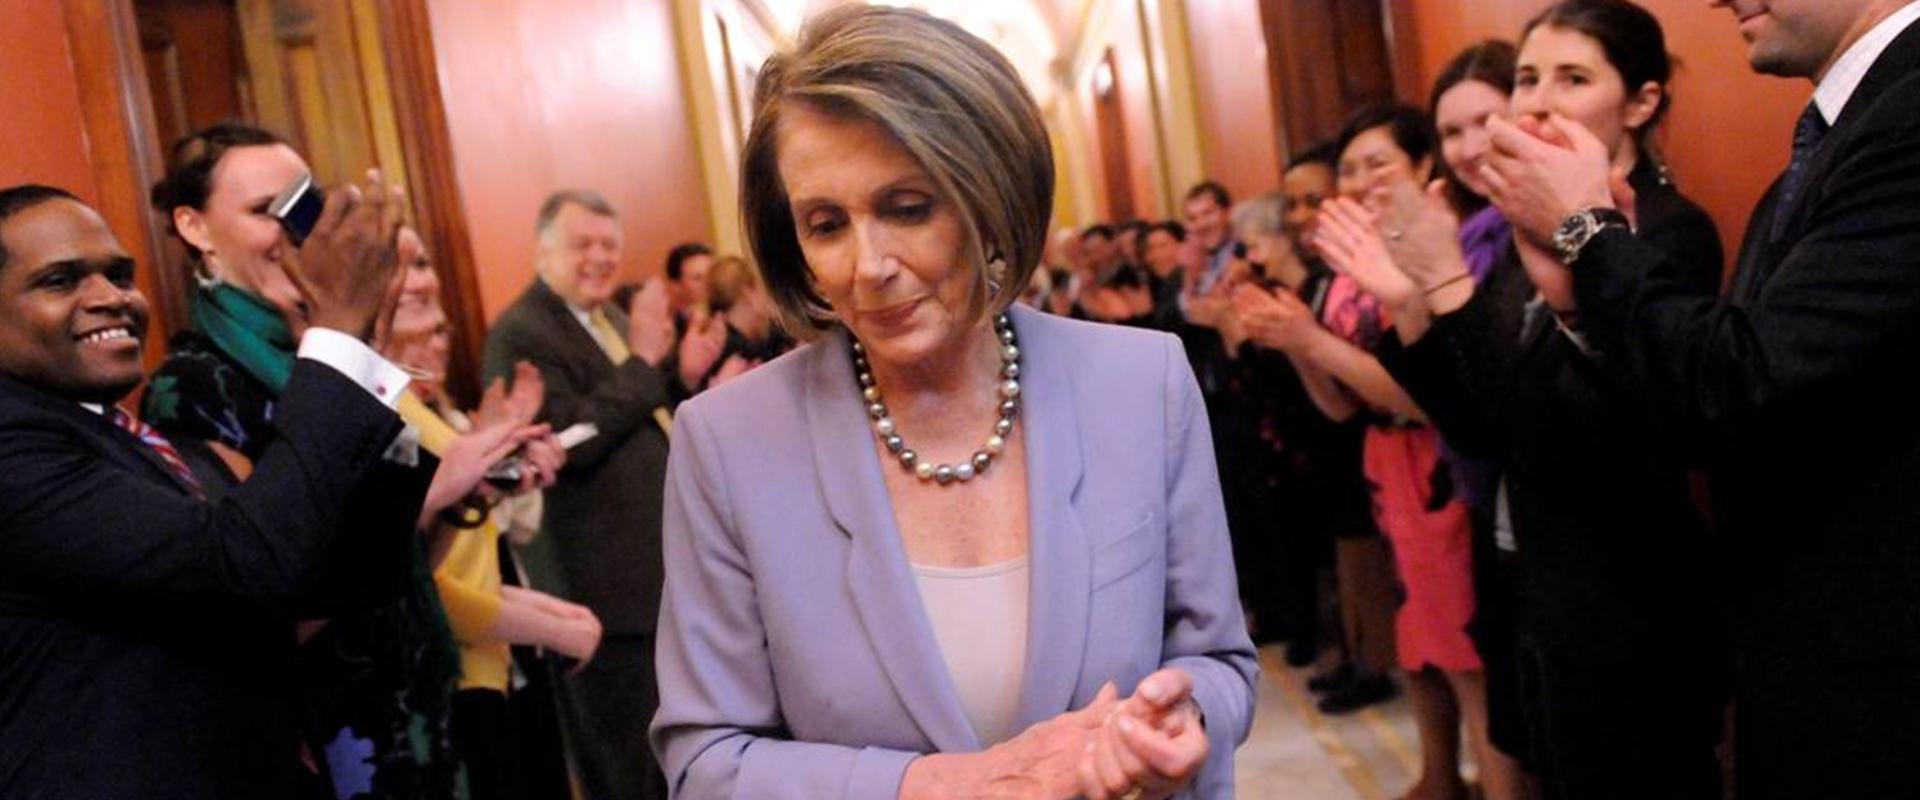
<point>146,637</point>
<point>1594,483</point>
<point>1798,391</point>
<point>603,516</point>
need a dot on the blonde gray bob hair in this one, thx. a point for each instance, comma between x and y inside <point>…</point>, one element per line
<point>1263,215</point>
<point>950,99</point>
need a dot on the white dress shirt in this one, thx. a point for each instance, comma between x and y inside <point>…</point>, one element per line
<point>1844,78</point>
<point>353,358</point>
<point>348,356</point>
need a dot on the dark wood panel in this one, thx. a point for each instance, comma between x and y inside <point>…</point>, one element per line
<point>1110,124</point>
<point>194,69</point>
<point>1325,58</point>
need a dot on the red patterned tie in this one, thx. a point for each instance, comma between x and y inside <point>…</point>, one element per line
<point>161,447</point>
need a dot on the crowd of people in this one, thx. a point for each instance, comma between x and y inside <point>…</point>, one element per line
<point>1510,587</point>
<point>1466,383</point>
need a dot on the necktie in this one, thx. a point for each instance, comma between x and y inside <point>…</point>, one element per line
<point>1807,134</point>
<point>609,337</point>
<point>616,347</point>
<point>160,446</point>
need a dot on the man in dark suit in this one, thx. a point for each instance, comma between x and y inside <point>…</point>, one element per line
<point>602,518</point>
<point>146,631</point>
<point>1795,389</point>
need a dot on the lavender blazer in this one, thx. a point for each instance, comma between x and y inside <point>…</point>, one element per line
<point>795,657</point>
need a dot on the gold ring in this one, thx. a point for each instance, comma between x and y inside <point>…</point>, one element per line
<point>1134,793</point>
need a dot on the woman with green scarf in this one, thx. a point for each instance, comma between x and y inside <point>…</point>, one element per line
<point>374,679</point>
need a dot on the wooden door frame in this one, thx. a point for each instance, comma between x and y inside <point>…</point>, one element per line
<point>128,156</point>
<point>441,218</point>
<point>124,145</point>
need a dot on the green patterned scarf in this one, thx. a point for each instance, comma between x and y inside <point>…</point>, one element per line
<point>248,329</point>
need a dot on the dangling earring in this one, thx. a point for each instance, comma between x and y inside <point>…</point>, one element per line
<point>996,271</point>
<point>203,273</point>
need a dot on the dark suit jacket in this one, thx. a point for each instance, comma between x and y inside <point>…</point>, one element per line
<point>1798,390</point>
<point>146,637</point>
<point>1594,485</point>
<point>603,515</point>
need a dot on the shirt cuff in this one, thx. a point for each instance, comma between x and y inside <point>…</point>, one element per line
<point>358,362</point>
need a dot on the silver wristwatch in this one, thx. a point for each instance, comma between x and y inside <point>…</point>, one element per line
<point>1581,226</point>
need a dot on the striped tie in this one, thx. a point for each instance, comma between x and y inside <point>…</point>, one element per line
<point>1807,134</point>
<point>161,447</point>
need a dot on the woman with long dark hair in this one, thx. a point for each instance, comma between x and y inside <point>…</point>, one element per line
<point>1620,644</point>
<point>376,678</point>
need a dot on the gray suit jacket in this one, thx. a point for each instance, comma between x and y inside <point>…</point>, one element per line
<point>795,657</point>
<point>603,516</point>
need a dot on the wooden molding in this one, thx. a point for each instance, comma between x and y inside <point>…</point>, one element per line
<point>124,147</point>
<point>407,40</point>
<point>1325,58</point>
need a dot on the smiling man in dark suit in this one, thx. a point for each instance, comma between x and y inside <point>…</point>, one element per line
<point>621,374</point>
<point>146,630</point>
<point>1796,389</point>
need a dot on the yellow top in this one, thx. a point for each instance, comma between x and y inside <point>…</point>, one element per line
<point>469,578</point>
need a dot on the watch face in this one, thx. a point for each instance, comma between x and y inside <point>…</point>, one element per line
<point>1573,232</point>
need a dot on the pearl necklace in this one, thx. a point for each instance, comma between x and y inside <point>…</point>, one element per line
<point>947,474</point>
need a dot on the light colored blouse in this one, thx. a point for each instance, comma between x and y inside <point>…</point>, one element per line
<point>979,617</point>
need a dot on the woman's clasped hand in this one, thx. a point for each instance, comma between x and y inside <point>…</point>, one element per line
<point>1148,746</point>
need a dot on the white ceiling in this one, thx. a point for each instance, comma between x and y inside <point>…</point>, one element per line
<point>1031,33</point>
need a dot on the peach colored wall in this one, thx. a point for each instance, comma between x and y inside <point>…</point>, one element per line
<point>544,95</point>
<point>1728,136</point>
<point>1235,105</point>
<point>46,129</point>
<point>1138,114</point>
<point>47,135</point>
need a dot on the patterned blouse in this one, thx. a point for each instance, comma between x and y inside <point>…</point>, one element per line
<point>375,686</point>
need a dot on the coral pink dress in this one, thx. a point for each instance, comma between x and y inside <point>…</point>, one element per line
<point>1432,549</point>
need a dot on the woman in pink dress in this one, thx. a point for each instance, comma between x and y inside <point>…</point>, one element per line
<point>1413,493</point>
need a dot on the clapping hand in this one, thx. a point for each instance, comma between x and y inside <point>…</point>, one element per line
<point>502,426</point>
<point>706,339</point>
<point>1209,310</point>
<point>1539,172</point>
<point>1273,319</point>
<point>1351,244</point>
<point>517,403</point>
<point>518,406</point>
<point>1042,763</point>
<point>347,271</point>
<point>464,464</point>
<point>650,331</point>
<point>1422,232</point>
<point>1151,746</point>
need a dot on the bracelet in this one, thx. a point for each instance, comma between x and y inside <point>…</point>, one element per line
<point>1448,282</point>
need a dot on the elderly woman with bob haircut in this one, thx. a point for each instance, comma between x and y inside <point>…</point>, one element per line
<point>950,548</point>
